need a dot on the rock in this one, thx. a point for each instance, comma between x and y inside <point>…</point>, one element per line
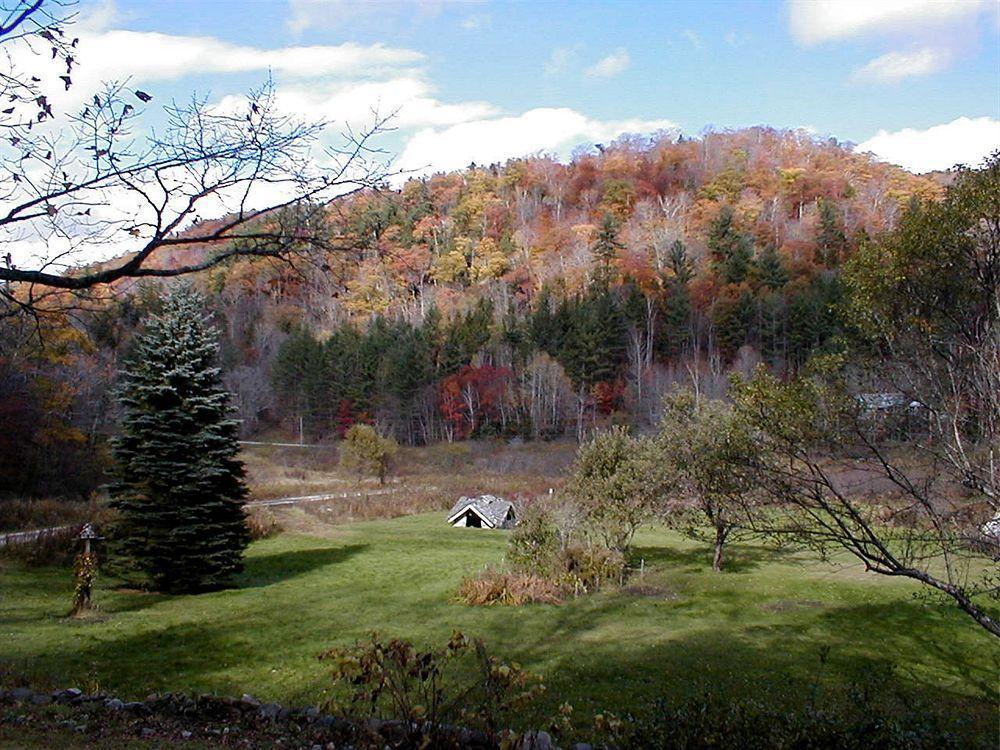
<point>249,700</point>
<point>330,722</point>
<point>67,696</point>
<point>185,735</point>
<point>41,699</point>
<point>582,746</point>
<point>21,693</point>
<point>312,712</point>
<point>147,732</point>
<point>269,711</point>
<point>114,704</point>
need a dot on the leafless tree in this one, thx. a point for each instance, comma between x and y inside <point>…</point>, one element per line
<point>80,187</point>
<point>925,306</point>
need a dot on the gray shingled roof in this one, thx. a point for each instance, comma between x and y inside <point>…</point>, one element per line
<point>491,508</point>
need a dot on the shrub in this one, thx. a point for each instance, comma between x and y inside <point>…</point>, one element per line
<point>21,515</point>
<point>512,589</point>
<point>588,567</point>
<point>535,544</point>
<point>367,452</point>
<point>54,548</point>
<point>427,690</point>
<point>262,524</point>
<point>618,481</point>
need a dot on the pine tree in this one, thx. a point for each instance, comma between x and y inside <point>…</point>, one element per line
<point>731,250</point>
<point>769,270</point>
<point>178,482</point>
<point>605,249</point>
<point>298,376</point>
<point>680,262</point>
<point>831,243</point>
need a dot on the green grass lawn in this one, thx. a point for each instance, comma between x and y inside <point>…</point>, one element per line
<point>757,629</point>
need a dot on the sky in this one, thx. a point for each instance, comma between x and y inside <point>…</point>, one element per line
<point>917,82</point>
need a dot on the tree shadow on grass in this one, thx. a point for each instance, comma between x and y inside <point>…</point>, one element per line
<point>738,558</point>
<point>266,570</point>
<point>909,652</point>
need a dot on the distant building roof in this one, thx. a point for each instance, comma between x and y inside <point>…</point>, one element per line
<point>886,401</point>
<point>495,512</point>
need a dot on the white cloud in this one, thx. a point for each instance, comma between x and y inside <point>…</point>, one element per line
<point>547,129</point>
<point>560,59</point>
<point>693,38</point>
<point>609,65</point>
<point>895,66</point>
<point>814,21</point>
<point>476,22</point>
<point>412,98</point>
<point>149,56</point>
<point>961,141</point>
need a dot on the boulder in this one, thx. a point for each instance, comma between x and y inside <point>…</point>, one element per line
<point>21,693</point>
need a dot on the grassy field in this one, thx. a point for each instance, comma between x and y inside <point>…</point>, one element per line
<point>762,623</point>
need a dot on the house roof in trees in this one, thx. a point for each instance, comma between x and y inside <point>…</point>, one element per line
<point>885,401</point>
<point>493,511</point>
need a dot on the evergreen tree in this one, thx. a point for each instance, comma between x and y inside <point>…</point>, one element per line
<point>731,250</point>
<point>605,249</point>
<point>178,482</point>
<point>675,333</point>
<point>298,376</point>
<point>680,262</point>
<point>593,350</point>
<point>769,271</point>
<point>831,242</point>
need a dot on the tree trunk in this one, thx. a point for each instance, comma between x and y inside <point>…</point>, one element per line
<point>720,540</point>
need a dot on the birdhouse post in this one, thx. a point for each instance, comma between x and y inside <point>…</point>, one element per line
<point>84,570</point>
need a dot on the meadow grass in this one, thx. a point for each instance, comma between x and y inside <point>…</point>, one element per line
<point>755,630</point>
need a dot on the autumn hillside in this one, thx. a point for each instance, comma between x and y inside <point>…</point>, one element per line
<point>536,298</point>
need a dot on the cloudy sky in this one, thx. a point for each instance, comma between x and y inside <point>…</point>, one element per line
<point>915,81</point>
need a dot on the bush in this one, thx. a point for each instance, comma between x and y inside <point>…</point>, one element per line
<point>512,589</point>
<point>262,524</point>
<point>55,548</point>
<point>535,545</point>
<point>23,515</point>
<point>618,482</point>
<point>428,690</point>
<point>588,567</point>
<point>367,452</point>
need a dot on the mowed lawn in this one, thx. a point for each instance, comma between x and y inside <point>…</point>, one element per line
<point>756,630</point>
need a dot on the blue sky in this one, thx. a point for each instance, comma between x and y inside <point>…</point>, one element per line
<point>916,81</point>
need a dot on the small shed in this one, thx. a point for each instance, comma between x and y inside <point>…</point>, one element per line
<point>483,512</point>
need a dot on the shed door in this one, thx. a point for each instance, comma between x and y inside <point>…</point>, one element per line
<point>472,520</point>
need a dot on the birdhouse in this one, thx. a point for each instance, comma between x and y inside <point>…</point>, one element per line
<point>88,535</point>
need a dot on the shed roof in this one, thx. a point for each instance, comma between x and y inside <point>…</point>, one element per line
<point>492,509</point>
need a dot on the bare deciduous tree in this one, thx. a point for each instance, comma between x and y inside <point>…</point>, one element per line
<point>78,188</point>
<point>925,306</point>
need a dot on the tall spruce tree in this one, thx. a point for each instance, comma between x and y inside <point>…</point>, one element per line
<point>731,250</point>
<point>831,242</point>
<point>605,250</point>
<point>178,482</point>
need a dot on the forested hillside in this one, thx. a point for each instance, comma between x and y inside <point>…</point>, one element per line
<point>533,299</point>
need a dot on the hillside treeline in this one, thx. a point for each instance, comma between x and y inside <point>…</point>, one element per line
<point>531,299</point>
